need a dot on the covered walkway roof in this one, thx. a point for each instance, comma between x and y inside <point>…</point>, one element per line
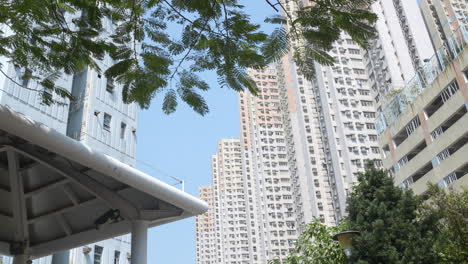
<point>57,193</point>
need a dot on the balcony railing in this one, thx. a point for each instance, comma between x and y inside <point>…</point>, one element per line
<point>424,77</point>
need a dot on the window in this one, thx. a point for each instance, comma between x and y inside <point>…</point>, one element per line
<point>110,85</point>
<point>363,92</point>
<point>116,257</point>
<point>359,71</point>
<point>23,75</point>
<point>369,114</point>
<point>123,127</point>
<point>97,254</point>
<point>354,51</point>
<point>412,125</point>
<point>107,121</point>
<point>370,126</point>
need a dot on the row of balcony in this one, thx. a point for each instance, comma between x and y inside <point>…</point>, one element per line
<point>423,78</point>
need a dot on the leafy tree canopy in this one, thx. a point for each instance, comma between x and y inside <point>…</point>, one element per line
<point>316,245</point>
<point>450,208</point>
<point>392,230</point>
<point>53,37</point>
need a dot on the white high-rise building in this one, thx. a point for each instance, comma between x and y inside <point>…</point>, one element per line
<point>98,118</point>
<point>395,57</point>
<point>443,19</point>
<point>330,129</point>
<point>222,233</point>
<point>400,47</point>
<point>232,235</point>
<point>301,146</point>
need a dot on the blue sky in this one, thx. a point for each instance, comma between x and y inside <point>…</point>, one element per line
<point>181,145</point>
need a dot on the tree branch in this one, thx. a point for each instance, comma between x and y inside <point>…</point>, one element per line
<point>226,23</point>
<point>178,12</point>
<point>189,20</point>
<point>278,2</point>
<point>135,26</point>
<point>272,5</point>
<point>190,49</point>
<point>194,43</point>
<point>15,82</point>
<point>27,88</point>
<point>289,17</point>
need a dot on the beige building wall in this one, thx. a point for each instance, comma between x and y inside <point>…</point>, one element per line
<point>205,229</point>
<point>267,176</point>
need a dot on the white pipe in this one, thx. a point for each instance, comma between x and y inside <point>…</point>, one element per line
<point>139,242</point>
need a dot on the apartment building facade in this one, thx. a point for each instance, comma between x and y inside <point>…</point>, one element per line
<point>302,145</point>
<point>205,236</point>
<point>98,118</point>
<point>443,19</point>
<point>233,239</point>
<point>330,120</point>
<point>422,128</point>
<point>266,167</point>
<point>290,171</point>
<point>398,51</point>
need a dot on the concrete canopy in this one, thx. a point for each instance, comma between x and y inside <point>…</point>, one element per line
<point>56,193</point>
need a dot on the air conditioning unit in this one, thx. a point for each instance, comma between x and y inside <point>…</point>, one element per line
<point>86,250</point>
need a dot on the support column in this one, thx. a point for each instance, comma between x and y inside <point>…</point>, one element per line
<point>19,247</point>
<point>61,257</point>
<point>20,259</point>
<point>139,242</point>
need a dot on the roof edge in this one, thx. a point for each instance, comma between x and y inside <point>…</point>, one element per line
<point>41,135</point>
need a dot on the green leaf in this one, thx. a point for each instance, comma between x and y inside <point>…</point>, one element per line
<point>170,102</point>
<point>119,68</point>
<point>276,46</point>
<point>193,99</point>
<point>277,19</point>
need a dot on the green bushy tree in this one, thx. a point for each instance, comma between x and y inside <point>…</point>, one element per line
<point>392,230</point>
<point>450,208</point>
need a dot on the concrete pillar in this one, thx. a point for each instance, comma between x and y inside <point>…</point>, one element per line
<point>20,259</point>
<point>61,257</point>
<point>139,242</point>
